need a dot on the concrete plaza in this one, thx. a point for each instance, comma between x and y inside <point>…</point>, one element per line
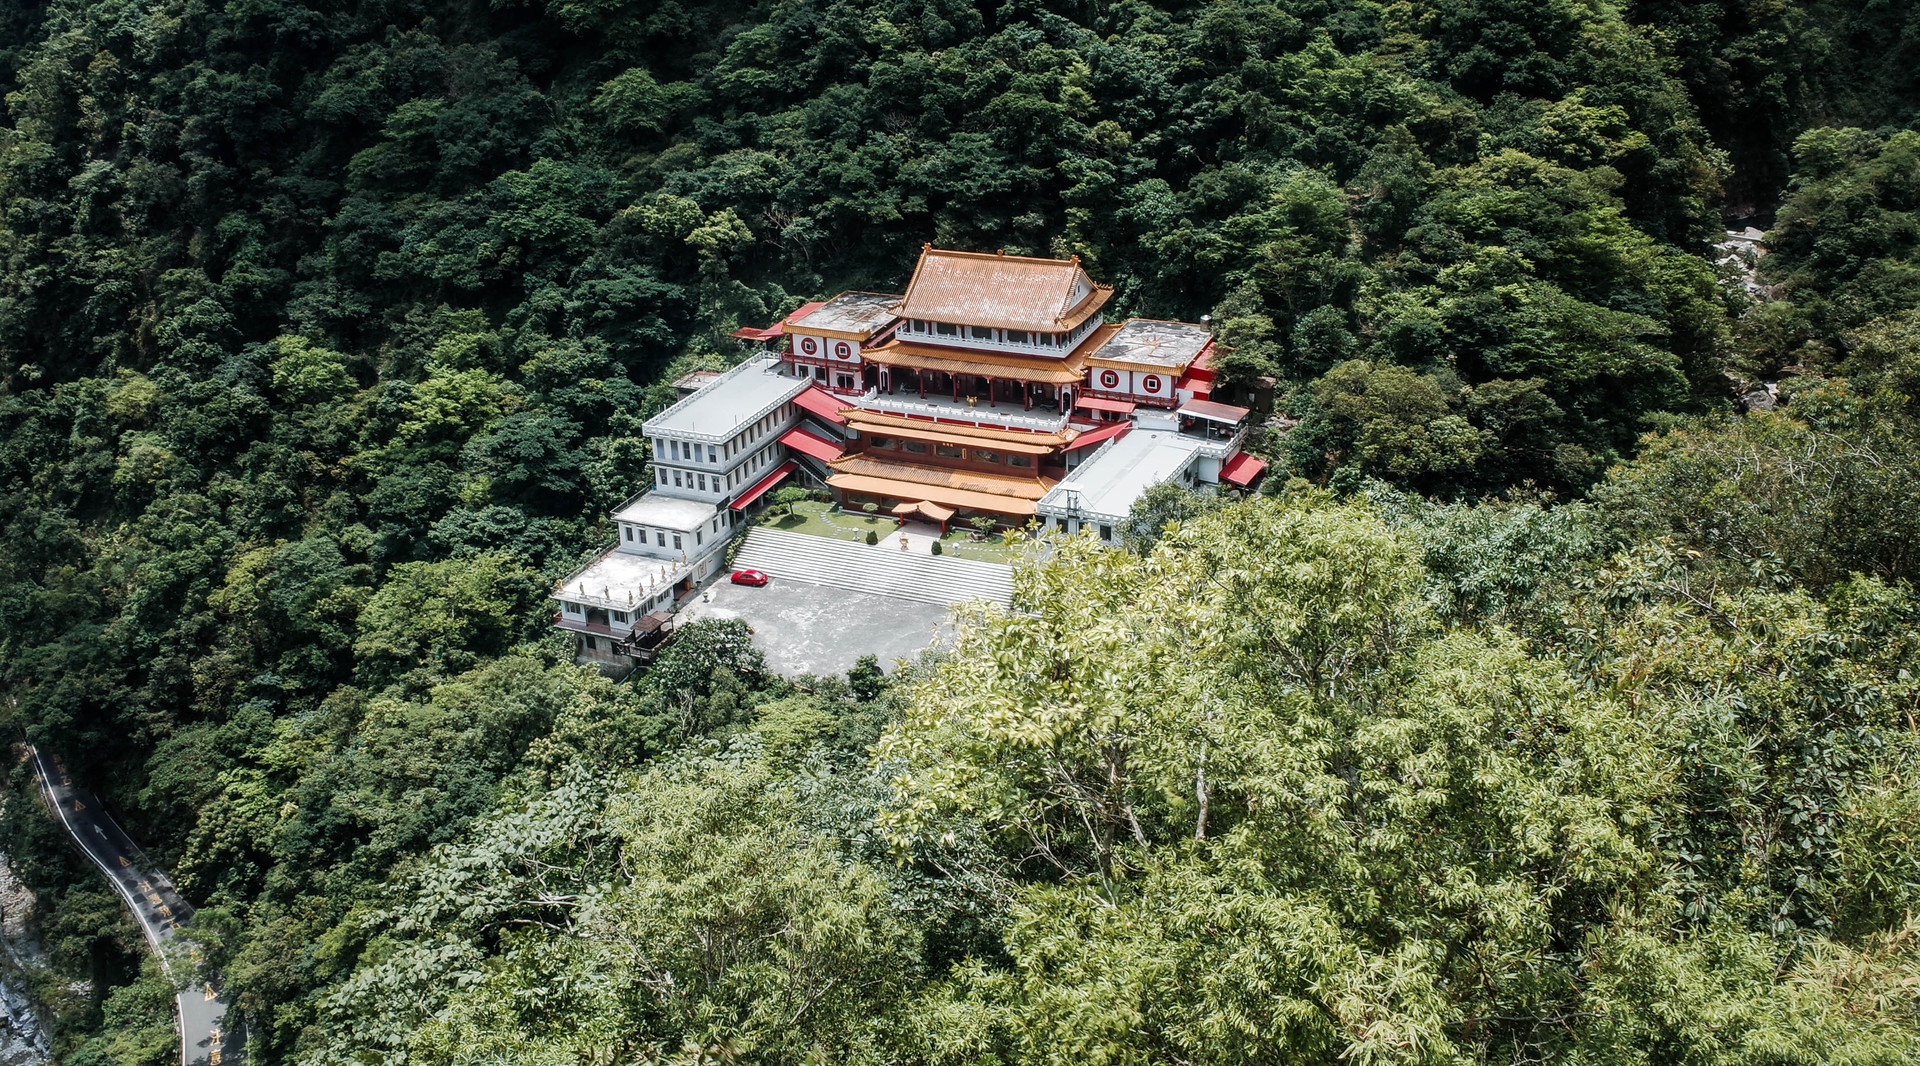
<point>803,628</point>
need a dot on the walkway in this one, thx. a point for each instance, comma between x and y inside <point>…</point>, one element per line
<point>155,905</point>
<point>880,569</point>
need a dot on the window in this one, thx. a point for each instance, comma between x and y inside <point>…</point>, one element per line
<point>980,333</point>
<point>819,374</point>
<point>673,446</point>
<point>660,538</point>
<point>950,451</point>
<point>1044,340</point>
<point>620,617</point>
<point>1019,460</point>
<point>713,454</point>
<point>626,532</point>
<point>716,523</point>
<point>592,645</point>
<point>917,447</point>
<point>845,381</point>
<point>1106,532</point>
<point>1017,336</point>
<point>881,442</point>
<point>916,326</point>
<point>946,329</point>
<point>570,608</point>
<point>699,536</point>
<point>676,541</point>
<point>986,457</point>
<point>703,482</point>
<point>663,476</point>
<point>676,480</point>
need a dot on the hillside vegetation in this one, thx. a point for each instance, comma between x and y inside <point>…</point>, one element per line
<point>1545,708</point>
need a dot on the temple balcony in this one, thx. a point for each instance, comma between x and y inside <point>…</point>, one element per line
<point>581,625</point>
<point>975,412</point>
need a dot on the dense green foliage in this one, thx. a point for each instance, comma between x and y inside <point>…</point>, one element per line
<point>327,327</point>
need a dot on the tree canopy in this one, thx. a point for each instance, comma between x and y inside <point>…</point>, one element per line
<point>1547,704</point>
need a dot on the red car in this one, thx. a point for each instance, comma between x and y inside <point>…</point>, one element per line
<point>749,577</point>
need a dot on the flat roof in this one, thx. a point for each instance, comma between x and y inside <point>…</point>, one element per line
<point>865,313</point>
<point>728,403</point>
<point>1153,342</point>
<point>667,512</point>
<point>1119,472</point>
<point>697,380</point>
<point>618,579</point>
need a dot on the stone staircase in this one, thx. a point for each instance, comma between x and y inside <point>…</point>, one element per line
<point>876,569</point>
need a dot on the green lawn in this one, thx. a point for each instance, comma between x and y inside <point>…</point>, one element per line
<point>821,521</point>
<point>815,518</point>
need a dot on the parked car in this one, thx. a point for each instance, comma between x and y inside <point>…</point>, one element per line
<point>749,577</point>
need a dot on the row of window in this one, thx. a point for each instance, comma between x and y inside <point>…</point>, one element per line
<point>1002,336</point>
<point>950,451</point>
<point>699,482</point>
<point>689,452</point>
<point>638,535</point>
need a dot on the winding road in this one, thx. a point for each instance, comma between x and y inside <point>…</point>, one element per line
<point>204,1038</point>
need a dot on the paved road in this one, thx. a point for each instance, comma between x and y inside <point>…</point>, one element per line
<point>204,1040</point>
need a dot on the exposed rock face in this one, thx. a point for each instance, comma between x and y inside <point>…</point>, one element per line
<point>1740,254</point>
<point>24,1039</point>
<point>1763,398</point>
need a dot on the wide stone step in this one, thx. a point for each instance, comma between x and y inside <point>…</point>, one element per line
<point>865,568</point>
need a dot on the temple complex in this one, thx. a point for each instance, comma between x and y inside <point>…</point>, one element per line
<point>993,386</point>
<point>995,377</point>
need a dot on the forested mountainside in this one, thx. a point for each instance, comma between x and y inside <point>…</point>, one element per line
<point>1546,708</point>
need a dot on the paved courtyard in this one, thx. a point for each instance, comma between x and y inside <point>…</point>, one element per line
<point>811,629</point>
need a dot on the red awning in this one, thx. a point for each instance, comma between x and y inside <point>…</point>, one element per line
<point>1201,388</point>
<point>1213,412</point>
<point>1095,403</point>
<point>1243,469</point>
<point>807,444</point>
<point>823,405</point>
<point>760,487</point>
<point>803,311</point>
<point>1091,437</point>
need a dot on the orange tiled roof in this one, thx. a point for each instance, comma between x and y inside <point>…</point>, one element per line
<point>956,498</point>
<point>1002,291</point>
<point>935,433</point>
<point>1052,370</point>
<point>862,464</point>
<point>973,436</point>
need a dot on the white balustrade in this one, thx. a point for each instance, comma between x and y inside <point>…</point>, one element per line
<point>948,411</point>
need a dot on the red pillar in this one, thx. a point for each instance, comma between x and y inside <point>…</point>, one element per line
<point>989,392</point>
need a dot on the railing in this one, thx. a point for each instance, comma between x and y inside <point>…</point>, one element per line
<point>874,400</point>
<point>581,625</point>
<point>1219,449</point>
